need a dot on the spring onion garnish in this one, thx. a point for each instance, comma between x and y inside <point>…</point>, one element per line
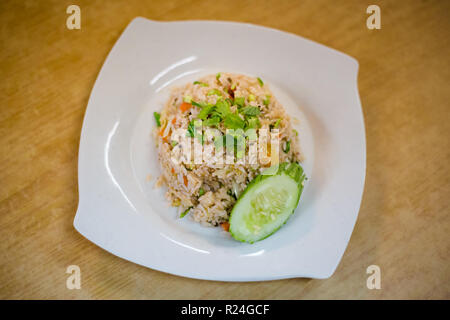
<point>261,83</point>
<point>233,121</point>
<point>218,76</point>
<point>201,192</point>
<point>239,101</point>
<point>214,91</point>
<point>190,130</point>
<point>157,117</point>
<point>233,86</point>
<point>205,112</point>
<point>223,107</point>
<point>213,121</point>
<point>173,143</point>
<point>251,97</point>
<point>295,131</point>
<point>202,84</point>
<point>252,123</point>
<point>277,123</point>
<point>266,101</point>
<point>287,147</point>
<point>185,212</point>
<point>250,111</point>
<point>187,99</point>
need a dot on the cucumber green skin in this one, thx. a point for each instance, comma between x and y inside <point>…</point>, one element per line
<point>295,173</point>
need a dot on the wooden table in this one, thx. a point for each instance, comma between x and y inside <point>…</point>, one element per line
<point>47,73</point>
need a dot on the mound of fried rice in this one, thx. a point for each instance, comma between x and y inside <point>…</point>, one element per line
<point>209,191</point>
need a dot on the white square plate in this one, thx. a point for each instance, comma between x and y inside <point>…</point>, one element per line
<point>121,211</point>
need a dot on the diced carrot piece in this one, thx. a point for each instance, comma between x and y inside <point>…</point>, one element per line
<point>185,106</point>
<point>185,181</point>
<point>175,120</point>
<point>173,170</point>
<point>225,226</point>
<point>161,131</point>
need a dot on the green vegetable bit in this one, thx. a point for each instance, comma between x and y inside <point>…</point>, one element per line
<point>185,212</point>
<point>251,97</point>
<point>173,143</point>
<point>187,99</point>
<point>253,123</point>
<point>223,107</point>
<point>287,147</point>
<point>251,111</point>
<point>233,121</point>
<point>213,121</point>
<point>200,104</point>
<point>201,192</point>
<point>218,76</point>
<point>205,112</point>
<point>157,118</point>
<point>190,130</point>
<point>261,83</point>
<point>266,101</point>
<point>214,91</point>
<point>240,101</point>
<point>202,84</point>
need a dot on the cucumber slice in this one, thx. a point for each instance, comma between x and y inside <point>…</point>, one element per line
<point>267,203</point>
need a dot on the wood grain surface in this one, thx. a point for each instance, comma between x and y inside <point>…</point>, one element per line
<point>48,71</point>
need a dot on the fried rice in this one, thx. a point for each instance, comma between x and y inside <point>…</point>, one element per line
<point>208,191</point>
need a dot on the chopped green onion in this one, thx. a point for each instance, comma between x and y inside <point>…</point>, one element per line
<point>200,104</point>
<point>173,143</point>
<point>233,86</point>
<point>214,91</point>
<point>251,97</point>
<point>201,192</point>
<point>240,101</point>
<point>295,131</point>
<point>266,101</point>
<point>185,212</point>
<point>202,84</point>
<point>261,83</point>
<point>251,111</point>
<point>218,76</point>
<point>252,123</point>
<point>277,123</point>
<point>157,117</point>
<point>190,130</point>
<point>187,99</point>
<point>288,146</point>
